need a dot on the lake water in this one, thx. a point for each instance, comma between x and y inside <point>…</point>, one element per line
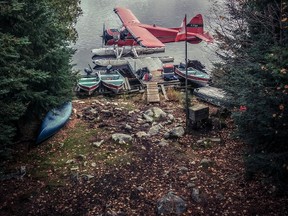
<point>161,12</point>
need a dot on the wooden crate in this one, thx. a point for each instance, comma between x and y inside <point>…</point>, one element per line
<point>198,112</point>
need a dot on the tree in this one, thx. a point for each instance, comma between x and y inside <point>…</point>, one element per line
<point>35,62</point>
<point>254,52</point>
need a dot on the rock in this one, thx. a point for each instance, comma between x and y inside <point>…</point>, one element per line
<point>130,113</point>
<point>191,185</point>
<point>146,125</point>
<point>140,121</point>
<point>196,195</point>
<point>217,140</point>
<point>155,129</point>
<point>121,138</point>
<point>205,162</point>
<point>74,168</point>
<point>158,112</point>
<point>87,177</point>
<point>79,115</point>
<point>141,134</point>
<point>98,144</point>
<point>81,157</point>
<point>128,127</point>
<point>98,102</point>
<point>163,143</point>
<point>169,122</point>
<point>140,188</point>
<point>177,132</point>
<point>107,113</point>
<point>193,178</point>
<point>93,111</point>
<point>170,117</point>
<point>183,169</point>
<point>166,135</point>
<point>155,112</point>
<point>171,204</point>
<point>148,118</point>
<point>74,177</point>
<point>70,161</point>
<point>149,112</point>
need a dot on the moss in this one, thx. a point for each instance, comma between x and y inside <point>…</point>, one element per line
<point>119,159</point>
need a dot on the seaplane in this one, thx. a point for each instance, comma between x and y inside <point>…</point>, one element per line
<point>150,38</point>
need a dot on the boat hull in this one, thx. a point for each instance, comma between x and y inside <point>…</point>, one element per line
<point>89,84</point>
<point>54,121</point>
<point>199,78</point>
<point>113,87</point>
<point>113,81</point>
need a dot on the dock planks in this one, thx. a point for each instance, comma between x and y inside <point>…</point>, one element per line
<point>152,92</point>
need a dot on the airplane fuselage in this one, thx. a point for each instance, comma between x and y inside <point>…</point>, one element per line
<point>124,38</point>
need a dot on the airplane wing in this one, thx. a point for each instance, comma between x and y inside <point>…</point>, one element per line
<point>205,37</point>
<point>140,34</point>
<point>126,16</point>
<point>143,36</point>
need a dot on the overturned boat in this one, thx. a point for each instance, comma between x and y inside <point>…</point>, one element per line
<point>213,95</point>
<point>54,120</point>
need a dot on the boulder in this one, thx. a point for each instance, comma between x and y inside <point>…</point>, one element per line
<point>121,138</point>
<point>155,129</point>
<point>177,132</point>
<point>171,204</point>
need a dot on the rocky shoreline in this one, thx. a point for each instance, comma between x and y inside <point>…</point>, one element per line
<point>119,156</point>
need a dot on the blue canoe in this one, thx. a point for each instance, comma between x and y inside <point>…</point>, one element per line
<point>54,121</point>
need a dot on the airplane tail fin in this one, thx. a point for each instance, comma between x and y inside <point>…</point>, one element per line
<point>195,31</point>
<point>196,27</point>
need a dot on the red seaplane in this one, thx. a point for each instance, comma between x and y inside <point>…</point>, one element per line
<point>134,33</point>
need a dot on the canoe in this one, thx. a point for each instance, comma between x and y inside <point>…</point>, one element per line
<point>54,120</point>
<point>112,80</point>
<point>89,83</point>
<point>196,76</point>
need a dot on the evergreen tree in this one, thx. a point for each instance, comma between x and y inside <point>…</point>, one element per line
<point>34,62</point>
<point>255,56</point>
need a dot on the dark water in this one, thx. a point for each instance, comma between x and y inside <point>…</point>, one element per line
<point>161,12</point>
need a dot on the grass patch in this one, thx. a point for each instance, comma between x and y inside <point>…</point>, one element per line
<point>174,95</point>
<point>52,156</point>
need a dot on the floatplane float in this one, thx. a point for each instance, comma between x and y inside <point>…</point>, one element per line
<point>118,52</point>
<point>125,61</point>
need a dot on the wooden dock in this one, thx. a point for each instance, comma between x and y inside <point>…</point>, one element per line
<point>152,92</point>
